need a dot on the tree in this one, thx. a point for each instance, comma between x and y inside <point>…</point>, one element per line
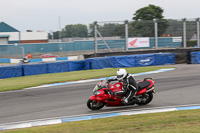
<point>55,35</point>
<point>78,30</point>
<point>108,30</point>
<point>119,30</point>
<point>91,30</point>
<point>144,25</point>
<point>149,13</point>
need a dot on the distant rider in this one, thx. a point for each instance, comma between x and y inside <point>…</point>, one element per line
<point>129,88</point>
<point>29,56</point>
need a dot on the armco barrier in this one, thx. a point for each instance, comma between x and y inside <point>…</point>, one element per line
<point>167,58</point>
<point>76,65</point>
<point>34,69</point>
<point>99,63</point>
<point>10,71</point>
<point>35,60</point>
<point>93,63</point>
<point>124,61</point>
<point>195,57</point>
<point>130,61</point>
<point>145,60</point>
<point>4,60</point>
<point>65,66</point>
<point>56,67</point>
<point>41,59</point>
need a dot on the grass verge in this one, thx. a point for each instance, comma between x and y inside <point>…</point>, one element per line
<point>166,122</point>
<point>36,80</point>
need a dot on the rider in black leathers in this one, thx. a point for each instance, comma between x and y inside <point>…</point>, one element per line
<point>129,88</point>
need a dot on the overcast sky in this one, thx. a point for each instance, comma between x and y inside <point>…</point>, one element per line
<point>44,14</point>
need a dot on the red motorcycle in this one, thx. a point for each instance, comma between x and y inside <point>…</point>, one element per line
<point>102,94</point>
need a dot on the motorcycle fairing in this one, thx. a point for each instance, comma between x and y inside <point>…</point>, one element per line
<point>116,87</point>
<point>101,96</point>
<point>109,99</point>
<point>144,86</point>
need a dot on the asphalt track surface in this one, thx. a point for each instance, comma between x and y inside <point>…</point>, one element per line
<point>173,88</point>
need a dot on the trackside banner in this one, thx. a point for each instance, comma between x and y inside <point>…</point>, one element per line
<point>138,42</point>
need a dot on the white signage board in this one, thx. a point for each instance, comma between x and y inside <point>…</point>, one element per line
<point>177,39</point>
<point>138,42</point>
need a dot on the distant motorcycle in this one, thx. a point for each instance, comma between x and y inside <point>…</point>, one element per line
<point>102,94</point>
<point>24,60</point>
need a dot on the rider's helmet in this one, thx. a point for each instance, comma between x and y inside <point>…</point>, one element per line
<point>121,73</point>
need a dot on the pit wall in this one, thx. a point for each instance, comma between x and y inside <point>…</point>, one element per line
<point>195,57</point>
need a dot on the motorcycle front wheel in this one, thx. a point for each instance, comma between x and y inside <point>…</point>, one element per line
<point>145,99</point>
<point>94,105</point>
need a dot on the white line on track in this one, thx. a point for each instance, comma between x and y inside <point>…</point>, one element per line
<point>125,110</point>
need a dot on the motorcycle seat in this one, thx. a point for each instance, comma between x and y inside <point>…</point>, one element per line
<point>143,84</point>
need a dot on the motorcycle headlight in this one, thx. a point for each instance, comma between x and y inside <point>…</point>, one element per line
<point>97,92</point>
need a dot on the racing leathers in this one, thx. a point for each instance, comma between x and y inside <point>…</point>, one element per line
<point>129,88</point>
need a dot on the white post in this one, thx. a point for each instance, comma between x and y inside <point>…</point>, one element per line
<point>156,32</point>
<point>126,34</point>
<point>95,37</point>
<point>23,53</point>
<point>198,43</point>
<point>60,40</point>
<point>184,33</point>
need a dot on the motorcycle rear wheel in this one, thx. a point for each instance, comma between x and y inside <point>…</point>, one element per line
<point>146,98</point>
<point>94,105</point>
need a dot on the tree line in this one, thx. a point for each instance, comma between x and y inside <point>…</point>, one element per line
<point>142,25</point>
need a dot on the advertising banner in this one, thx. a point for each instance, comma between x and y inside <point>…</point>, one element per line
<point>145,60</point>
<point>138,42</point>
<point>176,39</point>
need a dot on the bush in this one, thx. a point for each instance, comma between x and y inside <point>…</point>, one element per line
<point>191,43</point>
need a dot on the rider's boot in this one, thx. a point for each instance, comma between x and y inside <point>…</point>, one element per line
<point>129,101</point>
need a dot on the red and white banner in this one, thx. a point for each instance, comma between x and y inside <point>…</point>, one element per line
<point>138,42</point>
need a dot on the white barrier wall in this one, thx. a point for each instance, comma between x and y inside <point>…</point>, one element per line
<point>73,58</point>
<point>48,59</point>
<point>34,35</point>
<point>69,58</point>
<point>15,60</point>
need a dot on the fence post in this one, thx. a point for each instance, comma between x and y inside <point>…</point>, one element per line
<point>95,37</point>
<point>126,34</point>
<point>197,19</point>
<point>23,53</point>
<point>156,32</point>
<point>60,39</point>
<point>184,33</point>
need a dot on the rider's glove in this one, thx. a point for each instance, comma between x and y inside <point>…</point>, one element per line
<point>108,81</point>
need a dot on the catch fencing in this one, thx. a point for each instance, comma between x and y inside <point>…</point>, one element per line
<point>184,30</point>
<point>73,48</point>
<point>113,36</point>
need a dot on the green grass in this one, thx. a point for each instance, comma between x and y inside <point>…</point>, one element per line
<point>167,122</point>
<point>36,80</point>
